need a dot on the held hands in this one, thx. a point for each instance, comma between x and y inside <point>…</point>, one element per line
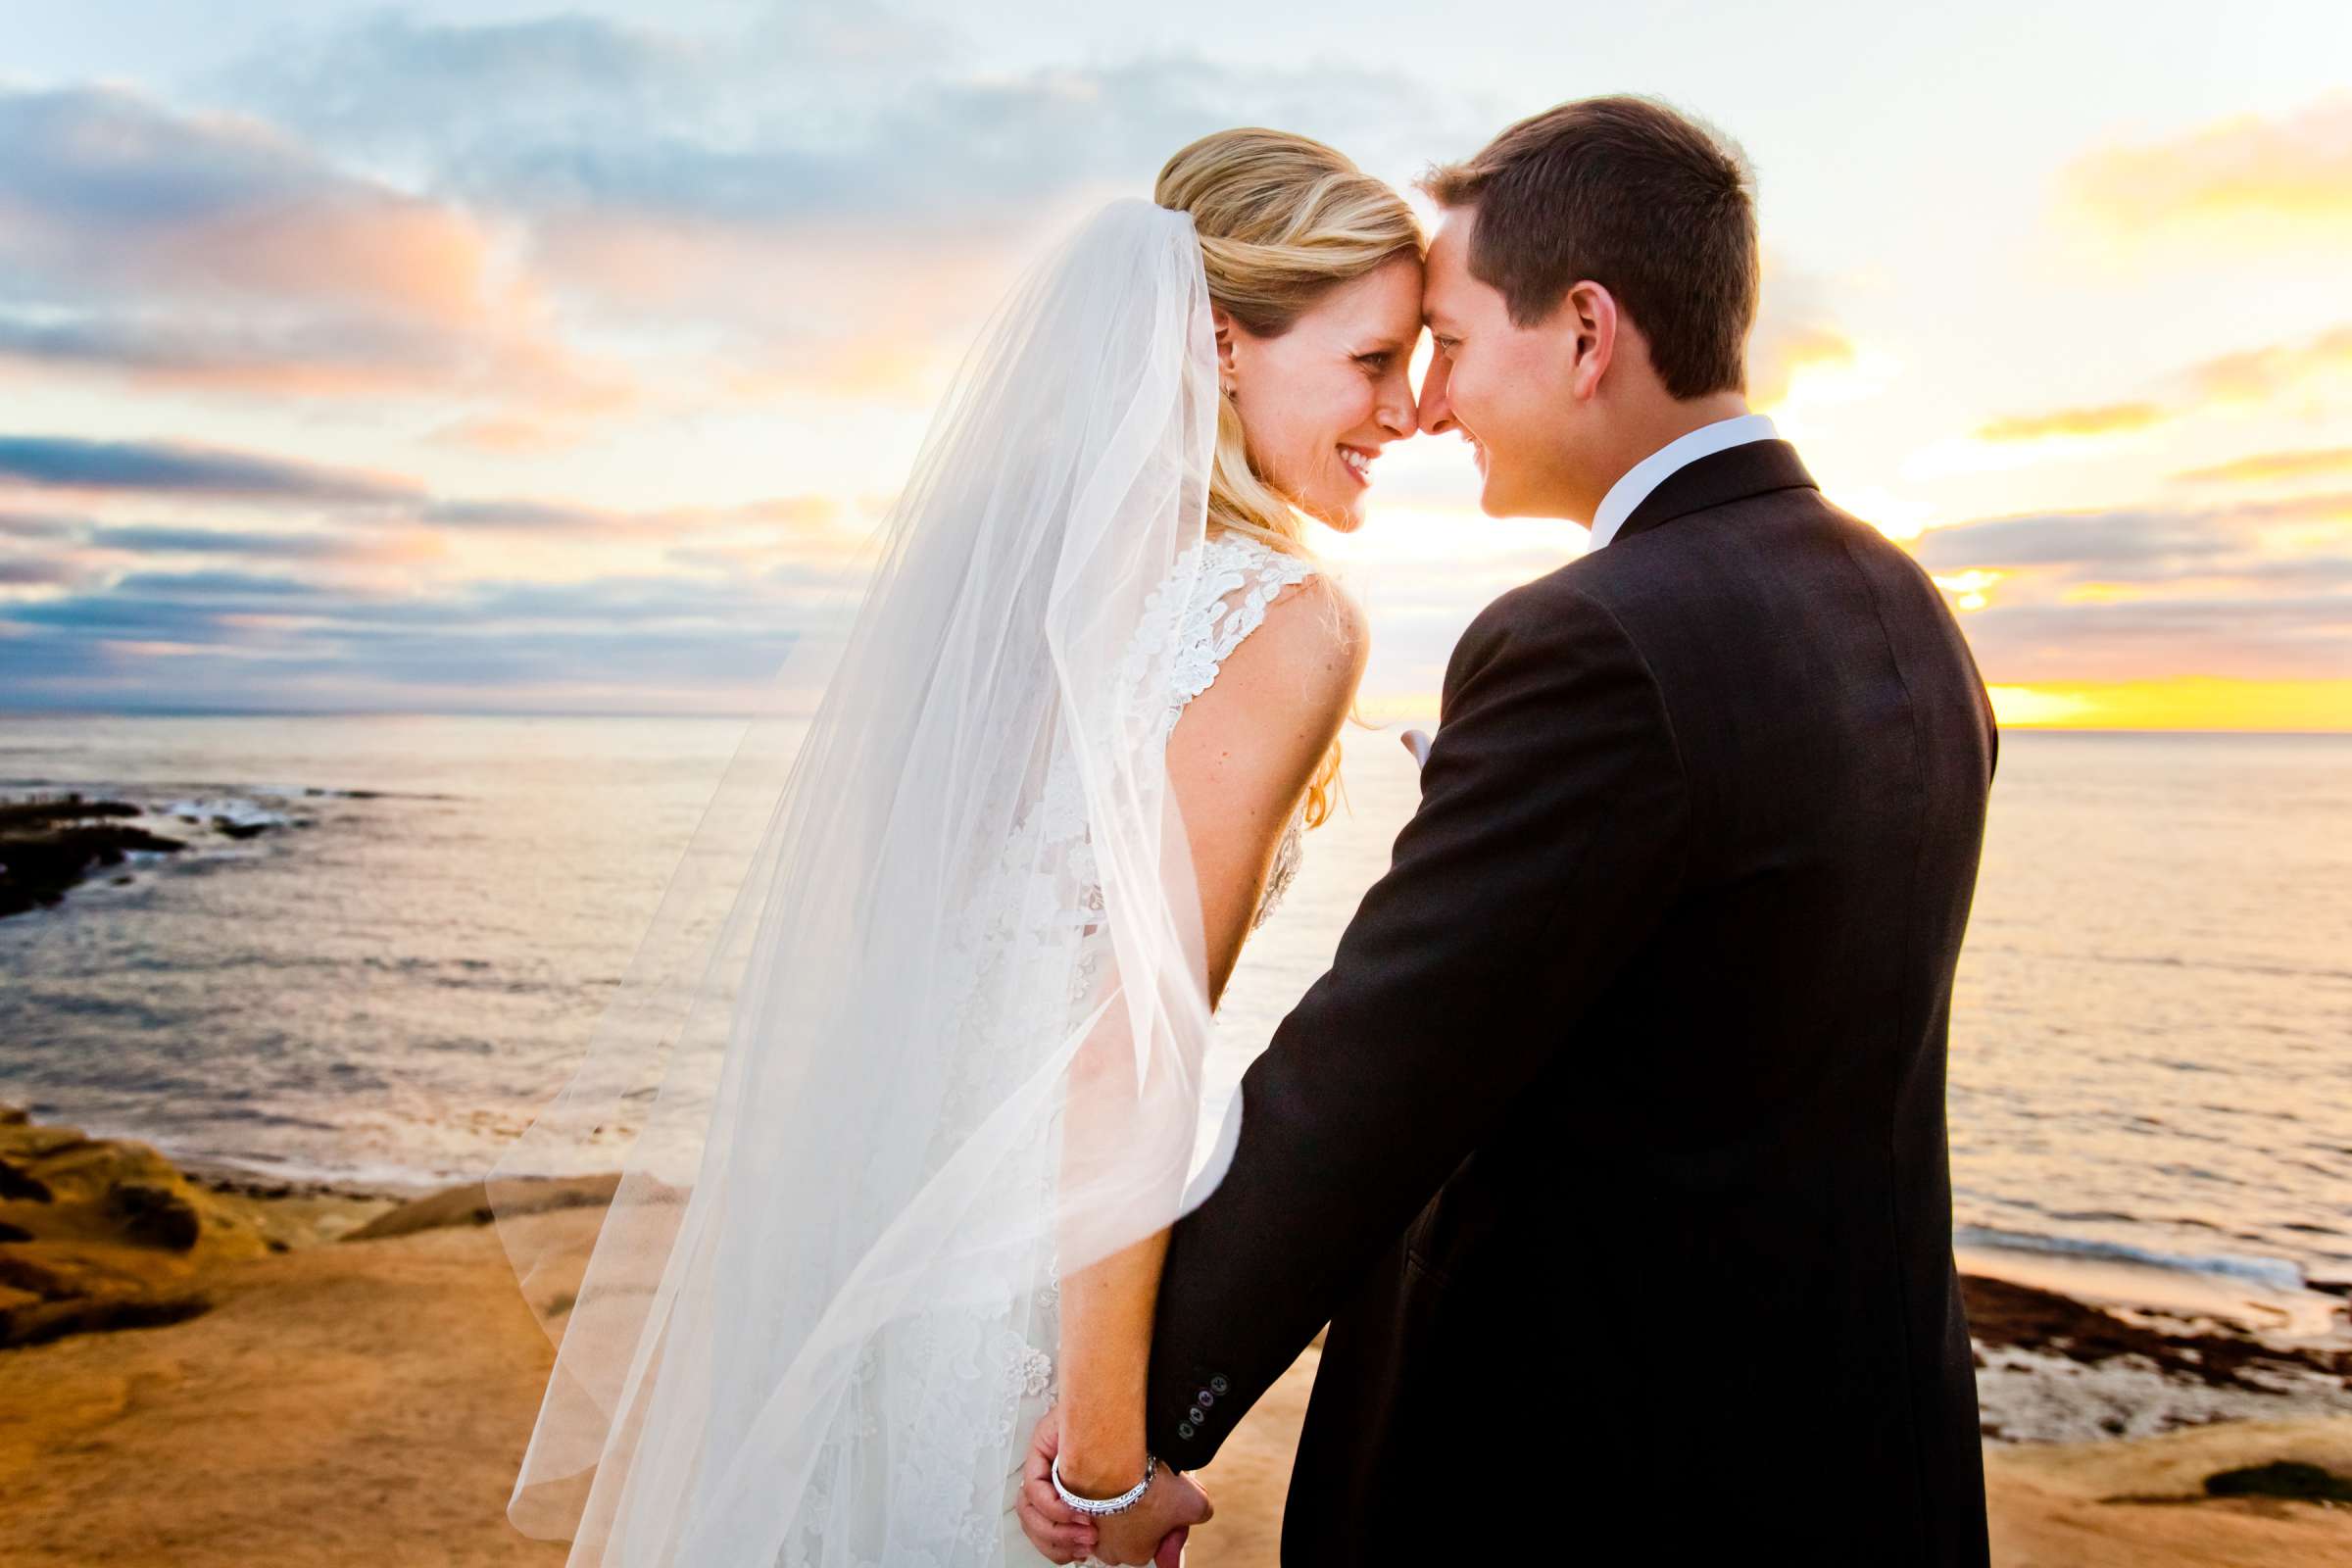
<point>1154,1531</point>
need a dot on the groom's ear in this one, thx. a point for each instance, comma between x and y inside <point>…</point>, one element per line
<point>1588,321</point>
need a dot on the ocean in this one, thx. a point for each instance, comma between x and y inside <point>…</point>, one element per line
<point>2148,1058</point>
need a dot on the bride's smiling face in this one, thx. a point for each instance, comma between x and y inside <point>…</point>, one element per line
<point>1319,402</point>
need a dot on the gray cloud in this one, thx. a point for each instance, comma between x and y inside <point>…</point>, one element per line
<point>778,120</point>
<point>497,639</point>
<point>2299,636</point>
<point>642,177</point>
<point>165,344</point>
<point>40,525</point>
<point>150,540</point>
<point>2093,539</point>
<point>531,516</point>
<point>69,463</point>
<point>2203,596</point>
<point>393,85</point>
<point>35,571</point>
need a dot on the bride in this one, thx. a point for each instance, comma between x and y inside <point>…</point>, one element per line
<point>901,1116</point>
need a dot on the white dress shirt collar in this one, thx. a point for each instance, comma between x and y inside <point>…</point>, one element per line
<point>1637,481</point>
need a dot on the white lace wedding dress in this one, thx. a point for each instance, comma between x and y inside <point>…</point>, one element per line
<point>924,1461</point>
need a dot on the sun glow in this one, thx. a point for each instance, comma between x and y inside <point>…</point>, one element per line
<point>2191,702</point>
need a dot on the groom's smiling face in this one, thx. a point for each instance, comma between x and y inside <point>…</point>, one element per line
<point>1504,388</point>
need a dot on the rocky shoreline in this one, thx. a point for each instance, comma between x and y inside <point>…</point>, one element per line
<point>2054,1368</point>
<point>208,1367</point>
<point>51,843</point>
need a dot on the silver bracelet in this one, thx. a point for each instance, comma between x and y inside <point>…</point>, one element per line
<point>1101,1506</point>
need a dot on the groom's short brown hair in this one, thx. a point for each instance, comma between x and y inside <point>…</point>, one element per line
<point>1639,198</point>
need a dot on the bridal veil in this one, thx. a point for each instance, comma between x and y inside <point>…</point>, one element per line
<point>919,1025</point>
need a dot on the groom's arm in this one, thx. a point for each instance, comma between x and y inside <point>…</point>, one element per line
<point>1548,843</point>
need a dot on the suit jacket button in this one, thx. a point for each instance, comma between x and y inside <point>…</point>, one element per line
<point>1218,1383</point>
<point>1184,1428</point>
<point>1204,1398</point>
<point>1197,1413</point>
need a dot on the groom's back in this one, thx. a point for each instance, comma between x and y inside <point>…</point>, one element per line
<point>1711,1247</point>
<point>1837,749</point>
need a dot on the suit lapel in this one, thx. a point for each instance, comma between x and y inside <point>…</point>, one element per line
<point>1734,474</point>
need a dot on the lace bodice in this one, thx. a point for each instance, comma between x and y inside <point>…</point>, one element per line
<point>1240,577</point>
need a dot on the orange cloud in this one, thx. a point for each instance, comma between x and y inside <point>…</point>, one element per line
<point>503,434</point>
<point>233,209</point>
<point>350,242</point>
<point>2266,465</point>
<point>2251,376</point>
<point>2246,376</point>
<point>218,253</point>
<point>2297,166</point>
<point>2106,420</point>
<point>830,308</point>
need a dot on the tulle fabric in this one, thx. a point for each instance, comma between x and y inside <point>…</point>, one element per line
<point>918,1027</point>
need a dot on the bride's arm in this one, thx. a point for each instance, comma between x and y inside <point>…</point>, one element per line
<point>1240,757</point>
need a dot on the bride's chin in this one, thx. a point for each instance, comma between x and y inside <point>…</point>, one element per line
<point>1341,518</point>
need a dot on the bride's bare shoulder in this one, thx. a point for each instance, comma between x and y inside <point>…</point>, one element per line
<point>1310,650</point>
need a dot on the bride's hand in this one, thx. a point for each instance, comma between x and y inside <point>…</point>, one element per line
<point>1060,1532</point>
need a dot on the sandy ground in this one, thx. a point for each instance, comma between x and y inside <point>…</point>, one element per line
<point>357,1404</point>
<point>2052,1505</point>
<point>366,1401</point>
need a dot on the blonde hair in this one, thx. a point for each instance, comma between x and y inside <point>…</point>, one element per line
<point>1282,221</point>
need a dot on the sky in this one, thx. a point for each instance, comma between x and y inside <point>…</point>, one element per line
<point>501,357</point>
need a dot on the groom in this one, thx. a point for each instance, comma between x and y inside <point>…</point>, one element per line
<point>1611,1146</point>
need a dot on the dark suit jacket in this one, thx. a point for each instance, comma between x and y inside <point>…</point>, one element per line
<point>1612,1144</point>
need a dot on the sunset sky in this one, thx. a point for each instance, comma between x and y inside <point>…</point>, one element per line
<point>480,356</point>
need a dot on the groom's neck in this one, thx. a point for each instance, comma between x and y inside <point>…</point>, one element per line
<point>1647,427</point>
<point>1671,418</point>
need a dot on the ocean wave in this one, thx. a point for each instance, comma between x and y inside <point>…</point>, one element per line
<point>365,1178</point>
<point>2278,1273</point>
<point>237,809</point>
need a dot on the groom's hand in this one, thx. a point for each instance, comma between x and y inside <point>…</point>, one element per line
<point>1152,1531</point>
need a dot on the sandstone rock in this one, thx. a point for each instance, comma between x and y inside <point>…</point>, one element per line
<point>468,1204</point>
<point>155,1215</point>
<point>104,1234</point>
<point>21,1185</point>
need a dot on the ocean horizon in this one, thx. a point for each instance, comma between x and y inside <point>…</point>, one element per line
<point>399,953</point>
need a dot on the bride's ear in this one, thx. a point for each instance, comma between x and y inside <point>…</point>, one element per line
<point>1224,324</point>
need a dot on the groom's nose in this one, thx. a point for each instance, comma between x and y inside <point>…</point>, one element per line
<point>1396,411</point>
<point>1437,410</point>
